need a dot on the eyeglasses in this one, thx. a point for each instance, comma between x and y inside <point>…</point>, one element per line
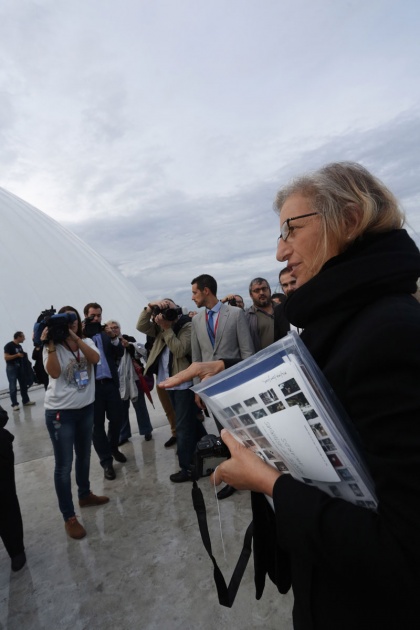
<point>114,327</point>
<point>259,290</point>
<point>285,228</point>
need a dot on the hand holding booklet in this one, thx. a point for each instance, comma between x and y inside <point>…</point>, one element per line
<point>279,404</point>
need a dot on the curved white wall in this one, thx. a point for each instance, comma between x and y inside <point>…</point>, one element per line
<point>43,263</point>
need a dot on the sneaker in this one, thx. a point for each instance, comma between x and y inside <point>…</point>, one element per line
<point>74,528</point>
<point>170,442</point>
<point>19,561</point>
<point>29,403</point>
<point>92,499</point>
<point>15,407</point>
<point>120,457</point>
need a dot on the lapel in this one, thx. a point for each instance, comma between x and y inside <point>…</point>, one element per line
<point>223,317</point>
<point>202,333</point>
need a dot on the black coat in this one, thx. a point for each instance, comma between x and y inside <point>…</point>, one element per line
<point>281,324</point>
<point>351,568</point>
<point>113,354</point>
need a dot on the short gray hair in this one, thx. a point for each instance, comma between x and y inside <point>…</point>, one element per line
<point>335,191</point>
<point>112,321</point>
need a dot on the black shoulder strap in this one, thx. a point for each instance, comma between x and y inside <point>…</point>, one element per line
<point>225,593</point>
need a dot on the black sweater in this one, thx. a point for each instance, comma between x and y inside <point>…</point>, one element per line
<point>351,568</point>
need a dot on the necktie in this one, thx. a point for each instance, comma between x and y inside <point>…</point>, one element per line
<point>210,325</point>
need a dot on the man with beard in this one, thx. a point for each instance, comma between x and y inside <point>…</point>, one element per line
<point>287,281</point>
<point>260,316</point>
<point>281,323</point>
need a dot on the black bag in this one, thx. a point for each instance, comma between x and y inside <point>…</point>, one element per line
<point>28,371</point>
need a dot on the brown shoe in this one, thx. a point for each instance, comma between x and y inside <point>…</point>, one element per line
<point>74,528</point>
<point>92,499</point>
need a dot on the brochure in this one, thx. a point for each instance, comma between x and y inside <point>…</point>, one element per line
<point>279,404</point>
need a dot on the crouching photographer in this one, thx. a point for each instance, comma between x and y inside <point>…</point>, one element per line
<point>69,359</point>
<point>170,354</point>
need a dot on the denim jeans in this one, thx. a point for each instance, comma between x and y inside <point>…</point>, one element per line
<point>15,373</point>
<point>142,415</point>
<point>70,428</point>
<point>189,429</point>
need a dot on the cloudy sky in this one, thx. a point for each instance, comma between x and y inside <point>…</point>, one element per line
<point>160,130</point>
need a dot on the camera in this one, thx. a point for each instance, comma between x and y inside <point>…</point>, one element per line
<point>209,453</point>
<point>233,302</point>
<point>41,323</point>
<point>58,325</point>
<point>170,314</point>
<point>91,328</point>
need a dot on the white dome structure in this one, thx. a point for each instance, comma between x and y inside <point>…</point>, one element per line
<point>44,264</point>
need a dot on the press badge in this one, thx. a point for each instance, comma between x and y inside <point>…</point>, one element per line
<point>82,379</point>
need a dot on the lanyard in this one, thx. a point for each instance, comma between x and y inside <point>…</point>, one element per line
<point>215,320</point>
<point>78,353</point>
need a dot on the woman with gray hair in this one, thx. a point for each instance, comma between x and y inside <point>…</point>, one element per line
<point>342,236</point>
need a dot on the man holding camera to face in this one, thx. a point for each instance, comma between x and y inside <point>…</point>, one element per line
<point>107,391</point>
<point>170,354</point>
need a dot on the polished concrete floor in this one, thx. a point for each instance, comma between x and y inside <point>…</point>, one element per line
<point>142,564</point>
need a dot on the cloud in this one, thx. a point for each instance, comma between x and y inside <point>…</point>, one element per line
<point>160,132</point>
<point>233,237</point>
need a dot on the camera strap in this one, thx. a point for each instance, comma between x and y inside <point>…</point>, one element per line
<point>225,593</point>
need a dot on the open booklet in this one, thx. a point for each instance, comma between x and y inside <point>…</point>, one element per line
<point>279,404</point>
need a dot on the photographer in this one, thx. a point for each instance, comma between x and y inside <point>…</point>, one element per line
<point>171,353</point>
<point>107,391</point>
<point>132,385</point>
<point>69,361</point>
<point>234,300</point>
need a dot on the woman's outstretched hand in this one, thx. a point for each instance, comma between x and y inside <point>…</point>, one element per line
<point>195,370</point>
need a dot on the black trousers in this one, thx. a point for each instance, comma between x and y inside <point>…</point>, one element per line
<point>11,527</point>
<point>107,403</point>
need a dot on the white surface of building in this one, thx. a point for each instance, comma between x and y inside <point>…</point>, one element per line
<point>44,264</point>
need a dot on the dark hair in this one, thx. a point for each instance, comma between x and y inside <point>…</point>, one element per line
<point>66,309</point>
<point>257,281</point>
<point>91,305</point>
<point>205,281</point>
<point>278,296</point>
<point>285,270</point>
<point>17,334</point>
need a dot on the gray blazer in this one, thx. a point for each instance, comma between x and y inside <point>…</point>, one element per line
<point>233,339</point>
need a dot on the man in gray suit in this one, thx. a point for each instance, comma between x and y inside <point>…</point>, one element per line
<point>219,331</point>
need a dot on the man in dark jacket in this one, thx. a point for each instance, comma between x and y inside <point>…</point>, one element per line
<point>107,395</point>
<point>260,316</point>
<point>281,323</point>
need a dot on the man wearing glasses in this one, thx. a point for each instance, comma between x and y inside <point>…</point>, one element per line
<point>260,316</point>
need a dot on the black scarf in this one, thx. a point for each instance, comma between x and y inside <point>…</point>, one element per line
<point>373,267</point>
